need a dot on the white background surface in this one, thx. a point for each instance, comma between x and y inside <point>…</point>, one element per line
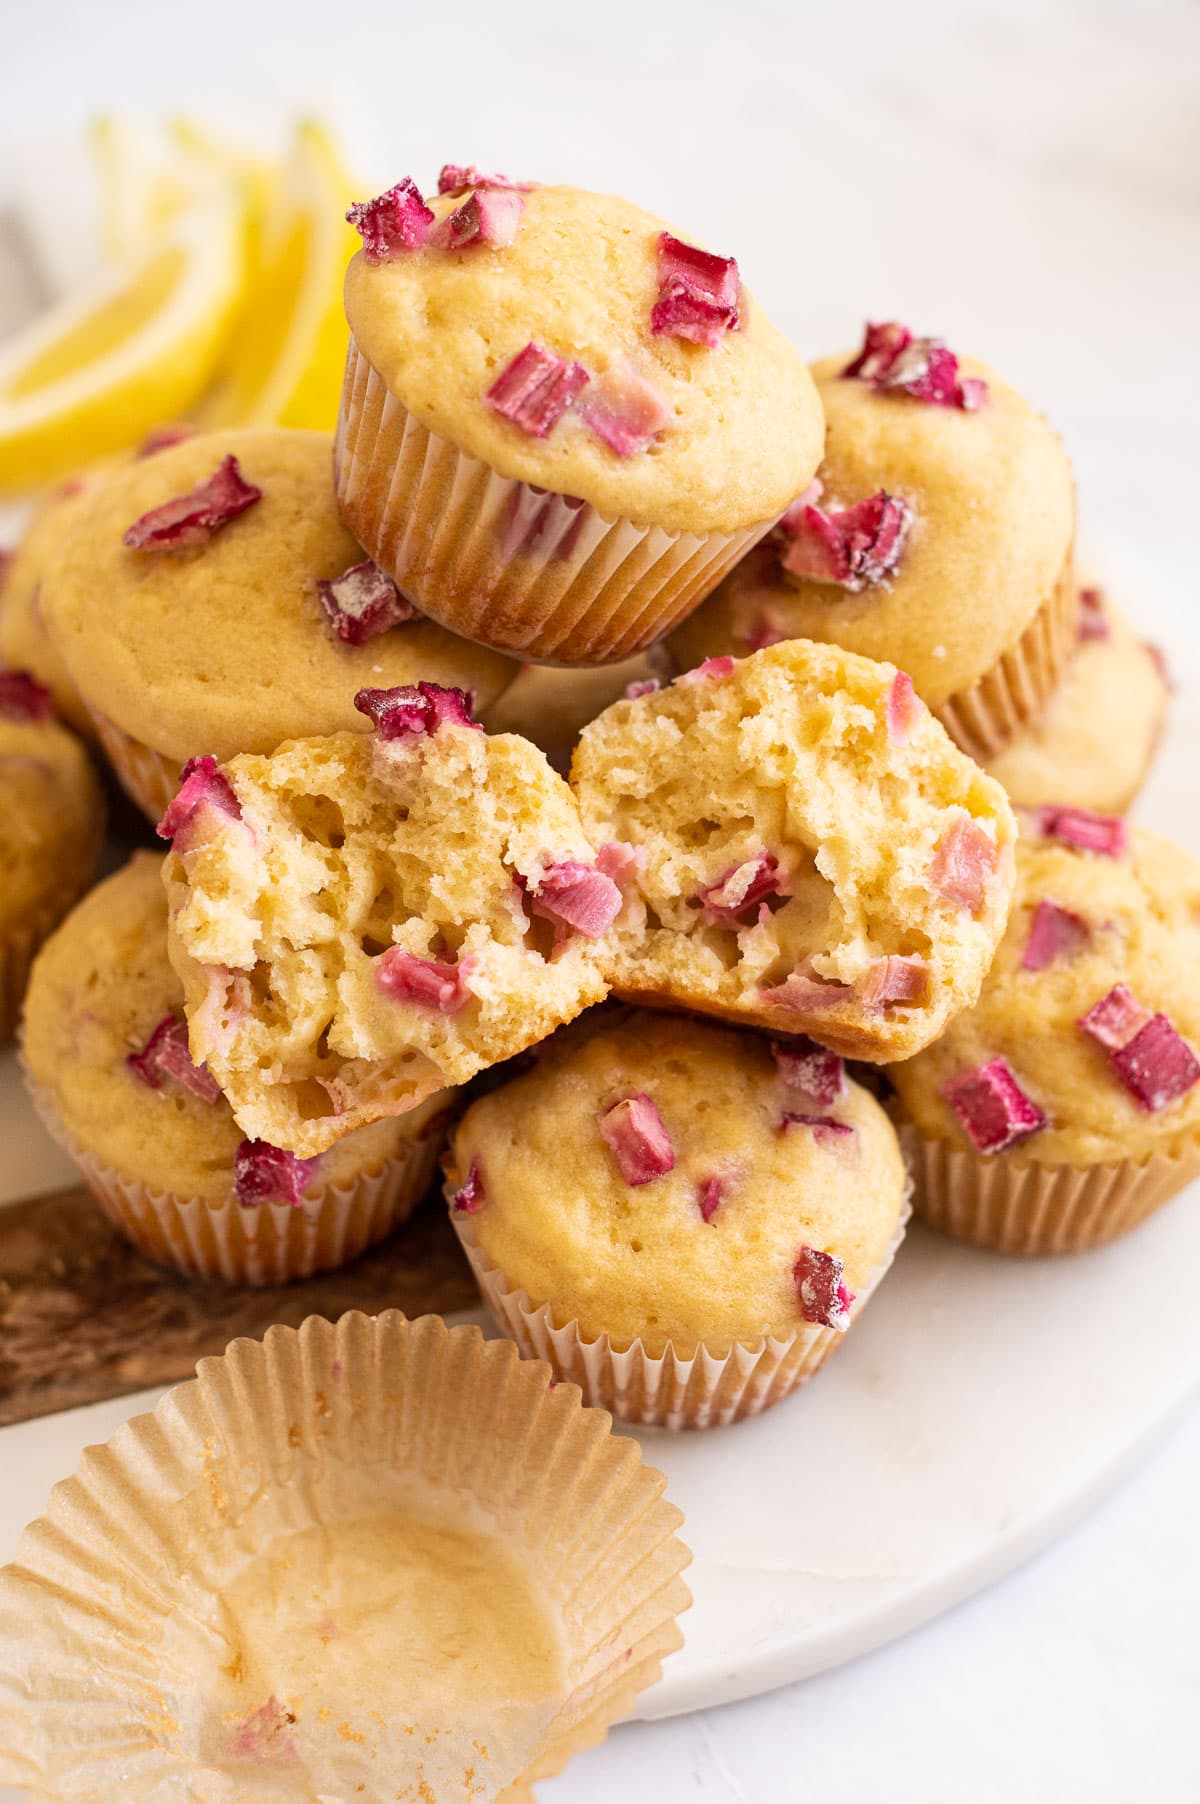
<point>1024,178</point>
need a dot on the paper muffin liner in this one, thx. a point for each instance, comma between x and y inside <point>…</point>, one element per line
<point>699,1389</point>
<point>527,571</point>
<point>1015,690</point>
<point>148,779</point>
<point>118,1656</point>
<point>273,1243</point>
<point>1034,1209</point>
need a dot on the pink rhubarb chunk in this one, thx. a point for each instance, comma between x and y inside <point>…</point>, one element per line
<point>1093,621</point>
<point>22,697</point>
<point>712,670</point>
<point>1157,1066</point>
<point>470,1197</point>
<point>166,1056</point>
<point>637,1136</point>
<point>852,546</point>
<point>620,861</point>
<point>536,389</point>
<point>993,1108</point>
<point>413,710</point>
<point>425,982</point>
<point>393,222</point>
<point>266,1733</point>
<point>826,1129</point>
<point>824,1299</point>
<point>709,1193</point>
<point>891,359</point>
<point>964,860</point>
<point>489,216</point>
<point>268,1174</point>
<point>1115,1019</point>
<point>1054,933</point>
<point>742,887</point>
<point>363,602</point>
<point>1083,828</point>
<point>699,293</point>
<point>204,798</point>
<point>903,707</point>
<point>807,993</point>
<point>893,980</point>
<point>192,519</point>
<point>647,686</point>
<point>811,1070</point>
<point>624,410</point>
<point>163,438</point>
<point>579,895</point>
<point>456,178</point>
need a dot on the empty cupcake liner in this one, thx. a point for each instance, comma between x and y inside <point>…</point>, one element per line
<point>700,1389</point>
<point>147,777</point>
<point>1015,690</point>
<point>271,1244</point>
<point>527,571</point>
<point>134,1662</point>
<point>1034,1209</point>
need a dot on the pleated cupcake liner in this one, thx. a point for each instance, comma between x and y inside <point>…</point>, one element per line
<point>527,571</point>
<point>114,1674</point>
<point>1032,1209</point>
<point>699,1389</point>
<point>982,719</point>
<point>148,778</point>
<point>273,1243</point>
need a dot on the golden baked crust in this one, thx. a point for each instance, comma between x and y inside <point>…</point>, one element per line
<point>53,814</point>
<point>25,643</point>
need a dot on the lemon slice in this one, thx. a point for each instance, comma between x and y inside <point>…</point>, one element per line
<point>137,347</point>
<point>255,179</point>
<point>287,360</point>
<point>145,185</point>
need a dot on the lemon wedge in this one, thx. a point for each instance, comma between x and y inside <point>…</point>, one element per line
<point>145,185</point>
<point>138,347</point>
<point>254,178</point>
<point>290,348</point>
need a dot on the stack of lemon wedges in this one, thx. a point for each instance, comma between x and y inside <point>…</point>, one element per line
<point>219,303</point>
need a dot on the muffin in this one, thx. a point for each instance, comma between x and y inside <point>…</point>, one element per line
<point>1064,1107</point>
<point>24,642</point>
<point>682,1218</point>
<point>552,706</point>
<point>1094,744</point>
<point>238,611</point>
<point>561,424</point>
<point>359,922</point>
<point>324,1582</point>
<point>107,1062</point>
<point>804,850</point>
<point>52,813</point>
<point>941,537</point>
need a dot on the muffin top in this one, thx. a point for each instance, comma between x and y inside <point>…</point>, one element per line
<point>50,803</point>
<point>99,988</point>
<point>224,644</point>
<point>1093,745</point>
<point>660,1177</point>
<point>739,424</point>
<point>1092,1006</point>
<point>987,533</point>
<point>24,642</point>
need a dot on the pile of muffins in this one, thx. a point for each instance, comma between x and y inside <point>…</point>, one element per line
<point>682,790</point>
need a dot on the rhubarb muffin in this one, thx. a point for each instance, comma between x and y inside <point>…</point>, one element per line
<point>686,1260</point>
<point>1064,1107</point>
<point>106,1056</point>
<point>238,611</point>
<point>1094,744</point>
<point>939,534</point>
<point>561,423</point>
<point>800,848</point>
<point>25,643</point>
<point>360,921</point>
<point>552,706</point>
<point>52,816</point>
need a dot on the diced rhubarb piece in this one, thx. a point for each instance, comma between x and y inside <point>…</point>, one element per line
<point>637,1135</point>
<point>903,707</point>
<point>470,1196</point>
<point>762,632</point>
<point>536,389</point>
<point>811,1070</point>
<point>699,293</point>
<point>712,670</point>
<point>964,860</point>
<point>623,409</point>
<point>456,178</point>
<point>648,686</point>
<point>426,982</point>
<point>363,602</point>
<point>1054,933</point>
<point>269,1174</point>
<point>166,1055</point>
<point>742,887</point>
<point>620,861</point>
<point>266,1733</point>
<point>1083,828</point>
<point>1157,1066</point>
<point>807,993</point>
<point>994,1110</point>
<point>412,710</point>
<point>488,216</point>
<point>578,894</point>
<point>22,697</point>
<point>162,439</point>
<point>825,1128</point>
<point>1093,621</point>
<point>895,979</point>
<point>1116,1019</point>
<point>205,795</point>
<point>709,1193</point>
<point>393,222</point>
<point>823,1297</point>
<point>852,546</point>
<point>192,519</point>
<point>892,359</point>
